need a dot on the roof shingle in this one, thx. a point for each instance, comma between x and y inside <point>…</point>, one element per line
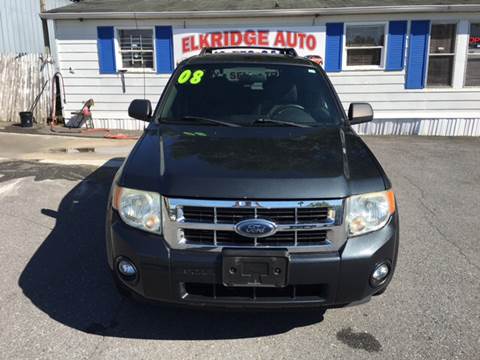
<point>90,6</point>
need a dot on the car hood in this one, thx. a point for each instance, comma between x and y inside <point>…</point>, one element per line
<point>256,163</point>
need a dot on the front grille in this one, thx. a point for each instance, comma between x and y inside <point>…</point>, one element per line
<point>278,216</point>
<point>281,238</point>
<point>212,223</point>
<point>312,215</point>
<point>201,237</point>
<point>235,215</point>
<point>198,214</point>
<point>291,292</point>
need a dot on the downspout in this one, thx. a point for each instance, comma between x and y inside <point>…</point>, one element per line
<point>53,115</point>
<point>51,45</point>
<point>46,38</point>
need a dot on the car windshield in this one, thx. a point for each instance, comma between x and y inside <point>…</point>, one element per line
<point>250,95</point>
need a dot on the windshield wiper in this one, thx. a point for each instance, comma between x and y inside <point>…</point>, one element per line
<point>213,121</point>
<point>280,122</point>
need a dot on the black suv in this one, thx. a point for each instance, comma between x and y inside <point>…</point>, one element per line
<point>249,188</point>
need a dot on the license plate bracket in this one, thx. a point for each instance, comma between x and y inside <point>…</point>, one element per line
<point>252,268</point>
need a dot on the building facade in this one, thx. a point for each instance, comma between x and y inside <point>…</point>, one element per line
<point>21,30</point>
<point>417,65</point>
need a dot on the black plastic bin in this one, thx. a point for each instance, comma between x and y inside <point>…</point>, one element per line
<point>26,119</point>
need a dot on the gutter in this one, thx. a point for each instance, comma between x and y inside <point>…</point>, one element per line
<point>202,14</point>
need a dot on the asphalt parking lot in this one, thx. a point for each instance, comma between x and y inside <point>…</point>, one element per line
<point>57,300</point>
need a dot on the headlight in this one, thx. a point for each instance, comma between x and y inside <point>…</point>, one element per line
<point>140,209</point>
<point>369,212</point>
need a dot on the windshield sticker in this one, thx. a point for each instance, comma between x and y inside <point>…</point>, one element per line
<point>194,77</point>
<point>197,77</point>
<point>247,75</point>
<point>184,76</point>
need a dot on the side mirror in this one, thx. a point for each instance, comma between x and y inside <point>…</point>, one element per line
<point>360,113</point>
<point>140,110</point>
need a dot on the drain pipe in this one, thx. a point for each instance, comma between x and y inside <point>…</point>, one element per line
<point>53,115</point>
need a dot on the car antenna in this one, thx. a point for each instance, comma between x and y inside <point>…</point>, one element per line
<point>144,75</point>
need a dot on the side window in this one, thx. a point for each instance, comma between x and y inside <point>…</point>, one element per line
<point>136,48</point>
<point>365,45</point>
<point>472,75</point>
<point>442,55</point>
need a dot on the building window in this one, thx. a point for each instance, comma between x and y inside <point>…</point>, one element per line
<point>472,76</point>
<point>365,45</point>
<point>442,55</point>
<point>136,48</point>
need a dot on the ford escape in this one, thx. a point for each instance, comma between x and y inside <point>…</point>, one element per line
<point>249,188</point>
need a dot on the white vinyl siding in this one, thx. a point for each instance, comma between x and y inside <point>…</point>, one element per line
<point>78,57</point>
<point>385,90</point>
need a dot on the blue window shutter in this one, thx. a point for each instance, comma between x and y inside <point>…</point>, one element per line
<point>164,49</point>
<point>397,33</point>
<point>334,47</point>
<point>417,55</point>
<point>106,50</point>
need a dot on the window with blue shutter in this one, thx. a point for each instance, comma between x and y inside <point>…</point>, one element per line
<point>164,49</point>
<point>106,49</point>
<point>417,55</point>
<point>136,48</point>
<point>397,34</point>
<point>334,47</point>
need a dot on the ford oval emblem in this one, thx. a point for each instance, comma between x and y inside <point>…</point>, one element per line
<point>256,228</point>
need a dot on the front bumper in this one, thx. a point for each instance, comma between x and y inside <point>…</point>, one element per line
<point>194,277</point>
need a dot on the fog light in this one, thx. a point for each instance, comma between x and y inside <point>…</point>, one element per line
<point>126,268</point>
<point>380,274</point>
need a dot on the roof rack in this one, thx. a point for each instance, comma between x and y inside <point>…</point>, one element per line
<point>284,51</point>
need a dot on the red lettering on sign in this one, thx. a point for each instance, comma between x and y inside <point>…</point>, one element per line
<point>203,41</point>
<point>280,39</point>
<point>263,38</point>
<point>301,40</point>
<point>311,42</point>
<point>236,38</point>
<point>249,38</point>
<point>226,38</point>
<point>474,40</point>
<point>291,39</point>
<point>193,44</point>
<point>185,44</point>
<point>216,39</point>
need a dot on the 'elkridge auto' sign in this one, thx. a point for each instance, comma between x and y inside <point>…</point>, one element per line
<point>306,40</point>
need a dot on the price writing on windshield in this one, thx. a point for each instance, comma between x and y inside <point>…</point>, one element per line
<point>192,77</point>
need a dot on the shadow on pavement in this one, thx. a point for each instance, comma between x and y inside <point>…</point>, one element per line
<point>68,278</point>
